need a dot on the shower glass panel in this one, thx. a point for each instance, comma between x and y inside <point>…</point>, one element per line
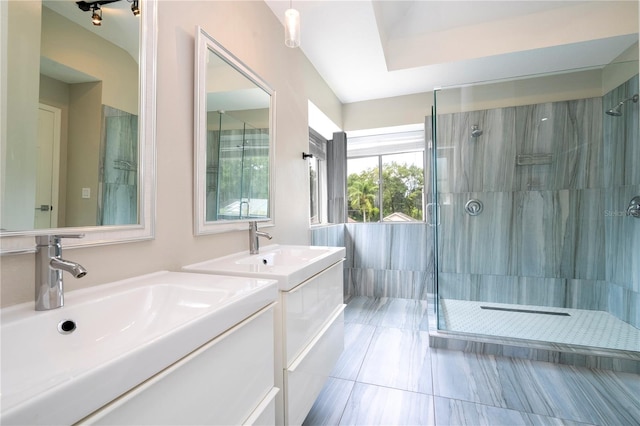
<point>237,169</point>
<point>118,185</point>
<point>533,181</point>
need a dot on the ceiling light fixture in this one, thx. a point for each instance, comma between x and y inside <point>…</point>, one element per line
<point>96,14</point>
<point>291,27</point>
<point>135,8</point>
<point>96,10</point>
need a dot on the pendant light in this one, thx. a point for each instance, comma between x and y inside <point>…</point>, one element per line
<point>291,27</point>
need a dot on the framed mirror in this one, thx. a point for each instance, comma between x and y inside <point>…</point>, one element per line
<point>78,121</point>
<point>234,141</point>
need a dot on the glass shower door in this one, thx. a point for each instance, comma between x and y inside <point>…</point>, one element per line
<point>532,237</point>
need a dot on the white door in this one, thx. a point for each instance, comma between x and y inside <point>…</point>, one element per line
<point>48,167</point>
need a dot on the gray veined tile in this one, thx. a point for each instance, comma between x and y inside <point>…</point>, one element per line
<point>399,359</point>
<point>328,408</point>
<point>357,338</point>
<point>571,393</point>
<point>489,380</point>
<point>361,309</point>
<point>456,412</point>
<point>594,396</point>
<point>403,313</point>
<point>375,405</point>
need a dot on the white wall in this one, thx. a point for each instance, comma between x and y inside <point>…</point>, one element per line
<point>412,109</point>
<point>18,165</point>
<point>251,31</point>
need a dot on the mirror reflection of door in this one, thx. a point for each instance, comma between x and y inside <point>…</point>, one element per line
<point>48,167</point>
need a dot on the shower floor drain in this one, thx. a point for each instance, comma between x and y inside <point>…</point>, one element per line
<point>526,311</point>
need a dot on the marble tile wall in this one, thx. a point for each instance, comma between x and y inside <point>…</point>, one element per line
<point>552,232</point>
<point>383,259</point>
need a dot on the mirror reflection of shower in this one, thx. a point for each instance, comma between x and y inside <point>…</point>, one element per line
<point>616,111</point>
<point>475,131</point>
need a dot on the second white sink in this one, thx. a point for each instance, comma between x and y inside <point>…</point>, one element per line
<point>290,265</point>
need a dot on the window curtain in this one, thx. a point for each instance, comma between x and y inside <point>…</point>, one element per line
<point>337,178</point>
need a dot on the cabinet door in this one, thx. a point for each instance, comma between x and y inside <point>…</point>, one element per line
<point>221,383</point>
<point>307,307</point>
<point>306,376</point>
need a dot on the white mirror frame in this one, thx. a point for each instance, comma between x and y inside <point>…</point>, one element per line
<point>204,43</point>
<point>16,242</point>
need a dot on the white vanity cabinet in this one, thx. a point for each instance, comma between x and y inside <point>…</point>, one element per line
<point>309,316</point>
<point>228,381</point>
<point>311,319</point>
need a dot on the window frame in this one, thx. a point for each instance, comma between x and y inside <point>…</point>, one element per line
<point>410,142</point>
<point>318,148</point>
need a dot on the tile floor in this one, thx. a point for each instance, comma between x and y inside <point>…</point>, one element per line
<point>388,375</point>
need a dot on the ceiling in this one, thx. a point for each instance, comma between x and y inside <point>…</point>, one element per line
<point>119,27</point>
<point>368,49</point>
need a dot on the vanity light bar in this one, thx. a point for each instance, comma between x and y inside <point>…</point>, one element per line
<point>87,6</point>
<point>96,11</point>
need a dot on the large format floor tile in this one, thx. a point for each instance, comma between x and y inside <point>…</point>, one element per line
<point>398,359</point>
<point>377,405</point>
<point>388,375</point>
<point>572,393</point>
<point>456,412</point>
<point>357,338</point>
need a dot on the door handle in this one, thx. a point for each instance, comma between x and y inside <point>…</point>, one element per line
<point>430,214</point>
<point>44,208</point>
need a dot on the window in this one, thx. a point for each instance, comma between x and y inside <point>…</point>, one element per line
<point>385,178</point>
<point>317,178</point>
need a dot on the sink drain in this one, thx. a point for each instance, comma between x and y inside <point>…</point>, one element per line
<point>66,326</point>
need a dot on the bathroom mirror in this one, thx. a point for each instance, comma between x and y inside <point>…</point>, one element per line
<point>234,134</point>
<point>78,115</point>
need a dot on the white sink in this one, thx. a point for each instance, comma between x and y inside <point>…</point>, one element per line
<point>125,332</point>
<point>288,264</point>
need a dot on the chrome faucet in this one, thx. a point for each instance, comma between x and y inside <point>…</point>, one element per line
<point>49,267</point>
<point>254,234</point>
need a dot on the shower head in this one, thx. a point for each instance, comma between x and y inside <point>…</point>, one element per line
<point>616,111</point>
<point>475,131</point>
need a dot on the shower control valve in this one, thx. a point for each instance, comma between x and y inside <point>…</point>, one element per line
<point>634,207</point>
<point>474,207</point>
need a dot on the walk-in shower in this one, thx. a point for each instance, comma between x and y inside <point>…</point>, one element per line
<point>550,258</point>
<point>616,111</point>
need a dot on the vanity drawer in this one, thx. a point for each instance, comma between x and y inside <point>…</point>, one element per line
<point>265,413</point>
<point>221,383</point>
<point>307,307</point>
<point>306,376</point>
